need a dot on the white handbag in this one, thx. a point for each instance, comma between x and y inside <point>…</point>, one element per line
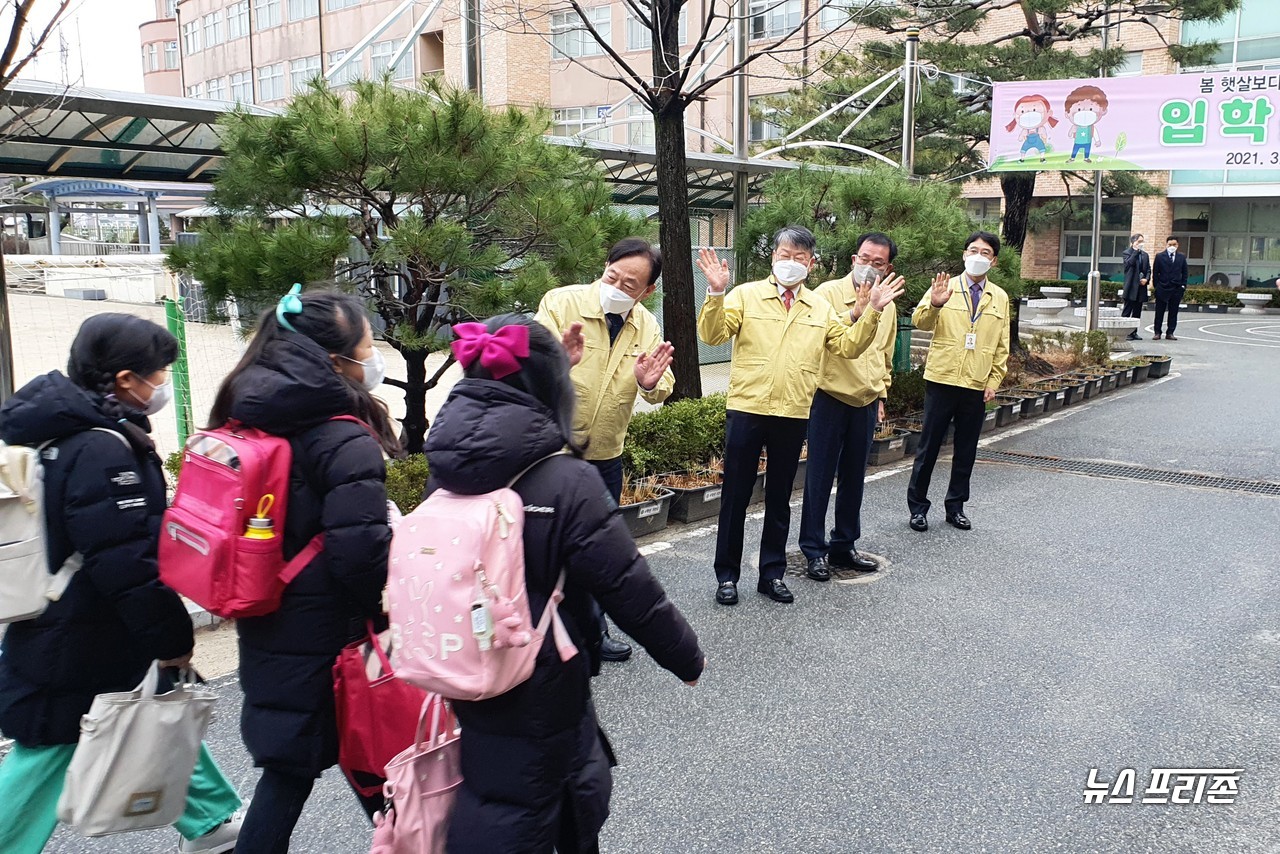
<point>133,763</point>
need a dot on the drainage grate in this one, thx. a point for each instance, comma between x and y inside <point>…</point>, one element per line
<point>1128,472</point>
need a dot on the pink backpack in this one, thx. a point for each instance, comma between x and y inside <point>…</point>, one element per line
<point>460,620</point>
<point>231,475</point>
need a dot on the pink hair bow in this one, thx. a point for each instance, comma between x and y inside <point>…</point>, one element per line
<point>498,352</point>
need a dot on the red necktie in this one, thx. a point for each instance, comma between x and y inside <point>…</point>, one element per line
<point>788,298</point>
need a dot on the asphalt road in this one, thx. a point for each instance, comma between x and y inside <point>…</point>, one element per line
<point>958,701</point>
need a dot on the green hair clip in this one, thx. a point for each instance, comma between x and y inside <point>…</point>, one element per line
<point>290,303</point>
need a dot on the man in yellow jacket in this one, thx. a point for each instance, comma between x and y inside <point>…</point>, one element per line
<point>842,421</point>
<point>617,353</point>
<point>780,331</point>
<point>967,362</point>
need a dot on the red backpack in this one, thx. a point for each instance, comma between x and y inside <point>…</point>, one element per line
<point>222,540</point>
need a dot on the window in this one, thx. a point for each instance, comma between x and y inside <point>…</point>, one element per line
<point>1250,34</point>
<point>152,61</point>
<point>837,13</point>
<point>196,91</point>
<point>271,82</point>
<point>640,133</point>
<point>640,37</point>
<point>985,211</point>
<point>773,18</point>
<point>354,71</point>
<point>300,10</point>
<point>569,37</point>
<point>238,20</point>
<point>171,8</point>
<point>170,55</point>
<point>217,89</point>
<point>191,38</point>
<point>302,72</point>
<point>568,121</point>
<point>266,14</point>
<point>335,5</point>
<point>242,87</point>
<point>381,61</point>
<point>1130,66</point>
<point>761,128</point>
<point>213,29</point>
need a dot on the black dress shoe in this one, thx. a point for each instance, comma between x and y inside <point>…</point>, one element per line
<point>727,593</point>
<point>776,590</point>
<point>919,522</point>
<point>852,560</point>
<point>817,570</point>
<point>959,520</point>
<point>1170,337</point>
<point>1155,337</point>
<point>613,650</point>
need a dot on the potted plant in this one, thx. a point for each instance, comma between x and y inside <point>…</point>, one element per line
<point>913,424</point>
<point>802,469</point>
<point>1091,379</point>
<point>1110,380</point>
<point>1141,366</point>
<point>1073,388</point>
<point>990,418</point>
<point>716,465</point>
<point>696,493</point>
<point>1159,366</point>
<point>1033,400</point>
<point>645,506</point>
<point>888,445</point>
<point>1055,392</point>
<point>1009,409</point>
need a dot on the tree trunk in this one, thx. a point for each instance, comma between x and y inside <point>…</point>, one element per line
<point>414,426</point>
<point>1019,188</point>
<point>678,316</point>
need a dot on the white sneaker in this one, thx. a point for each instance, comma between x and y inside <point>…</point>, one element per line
<point>221,839</point>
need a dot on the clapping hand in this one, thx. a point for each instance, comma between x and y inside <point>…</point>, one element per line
<point>651,366</point>
<point>886,292</point>
<point>716,270</point>
<point>941,290</point>
<point>573,343</point>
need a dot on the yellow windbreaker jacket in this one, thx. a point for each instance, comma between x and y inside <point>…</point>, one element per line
<point>949,362</point>
<point>860,381</point>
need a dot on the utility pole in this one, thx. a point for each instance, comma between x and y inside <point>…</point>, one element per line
<point>910,90</point>
<point>6,336</point>
<point>741,116</point>
<point>1094,293</point>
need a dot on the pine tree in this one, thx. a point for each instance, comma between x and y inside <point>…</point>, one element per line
<point>433,207</point>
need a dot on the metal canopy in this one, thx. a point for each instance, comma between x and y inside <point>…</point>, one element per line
<point>48,129</point>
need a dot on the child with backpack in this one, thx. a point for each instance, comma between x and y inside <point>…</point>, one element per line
<point>535,764</point>
<point>104,493</point>
<point>307,376</point>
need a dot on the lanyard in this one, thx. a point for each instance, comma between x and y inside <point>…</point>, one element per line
<point>974,313</point>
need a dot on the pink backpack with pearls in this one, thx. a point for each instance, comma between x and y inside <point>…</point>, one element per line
<point>460,619</point>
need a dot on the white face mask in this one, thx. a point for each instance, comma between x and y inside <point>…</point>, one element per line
<point>375,369</point>
<point>614,300</point>
<point>1084,118</point>
<point>160,396</point>
<point>976,265</point>
<point>789,272</point>
<point>865,274</point>
<point>1173,250</point>
<point>1030,120</point>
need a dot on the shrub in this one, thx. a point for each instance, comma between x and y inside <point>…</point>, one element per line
<point>173,465</point>
<point>679,436</point>
<point>1099,346</point>
<point>406,481</point>
<point>906,393</point>
<point>1210,296</point>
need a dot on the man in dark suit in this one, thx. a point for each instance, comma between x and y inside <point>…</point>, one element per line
<point>1169,272</point>
<point>1137,272</point>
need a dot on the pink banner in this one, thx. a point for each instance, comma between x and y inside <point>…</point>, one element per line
<point>1226,120</point>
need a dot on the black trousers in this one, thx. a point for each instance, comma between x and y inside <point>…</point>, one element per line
<point>746,435</point>
<point>611,472</point>
<point>942,405</point>
<point>274,811</point>
<point>1167,301</point>
<point>840,438</point>
<point>1132,308</point>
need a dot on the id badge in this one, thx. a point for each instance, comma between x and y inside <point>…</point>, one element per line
<point>971,341</point>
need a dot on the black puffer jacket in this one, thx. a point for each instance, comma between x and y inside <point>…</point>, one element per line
<point>338,487</point>
<point>535,751</point>
<point>104,497</point>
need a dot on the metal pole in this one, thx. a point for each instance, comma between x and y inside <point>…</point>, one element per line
<point>6,337</point>
<point>742,117</point>
<point>1094,294</point>
<point>911,82</point>
<point>471,45</point>
<point>180,371</point>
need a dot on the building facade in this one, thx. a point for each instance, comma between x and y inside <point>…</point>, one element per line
<point>264,51</point>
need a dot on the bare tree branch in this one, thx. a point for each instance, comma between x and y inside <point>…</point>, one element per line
<point>21,13</point>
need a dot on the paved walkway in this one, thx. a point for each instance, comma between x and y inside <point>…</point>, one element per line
<point>958,700</point>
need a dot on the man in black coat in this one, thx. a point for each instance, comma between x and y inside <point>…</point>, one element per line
<point>1169,271</point>
<point>1137,272</point>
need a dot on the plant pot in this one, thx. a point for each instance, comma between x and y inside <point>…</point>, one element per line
<point>797,484</point>
<point>913,429</point>
<point>1140,373</point>
<point>990,420</point>
<point>695,503</point>
<point>1160,367</point>
<point>1074,390</point>
<point>1089,385</point>
<point>1124,376</point>
<point>885,451</point>
<point>1032,402</point>
<point>1010,411</point>
<point>648,517</point>
<point>1109,381</point>
<point>1054,398</point>
<point>1213,309</point>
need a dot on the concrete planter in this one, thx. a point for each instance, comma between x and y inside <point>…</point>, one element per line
<point>648,517</point>
<point>1056,293</point>
<point>1119,329</point>
<point>1047,311</point>
<point>890,450</point>
<point>1254,303</point>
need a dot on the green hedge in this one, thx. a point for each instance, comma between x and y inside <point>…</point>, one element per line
<point>679,436</point>
<point>906,393</point>
<point>406,480</point>
<point>1078,287</point>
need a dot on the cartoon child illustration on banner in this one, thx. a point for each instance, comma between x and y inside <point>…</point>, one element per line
<point>1085,106</point>
<point>1032,113</point>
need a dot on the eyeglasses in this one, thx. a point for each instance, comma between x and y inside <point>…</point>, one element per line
<point>974,250</point>
<point>877,263</point>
